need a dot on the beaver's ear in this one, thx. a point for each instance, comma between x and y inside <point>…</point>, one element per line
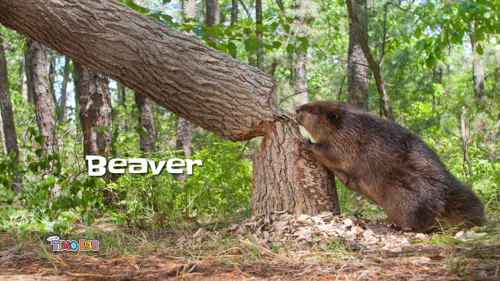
<point>333,117</point>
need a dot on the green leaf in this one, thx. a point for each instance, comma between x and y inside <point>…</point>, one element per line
<point>273,26</point>
<point>286,27</point>
<point>417,32</point>
<point>231,47</point>
<point>261,27</point>
<point>276,44</point>
<point>167,18</point>
<point>290,47</point>
<point>290,20</point>
<point>463,8</point>
<point>479,49</point>
<point>222,47</point>
<point>431,61</point>
<point>166,1</point>
<point>39,152</point>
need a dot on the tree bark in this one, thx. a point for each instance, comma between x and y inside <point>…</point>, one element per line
<point>44,107</point>
<point>478,72</point>
<point>260,49</point>
<point>375,67</point>
<point>234,17</point>
<point>357,71</point>
<point>188,78</point>
<point>22,75</point>
<point>212,15</point>
<point>95,110</point>
<point>286,178</point>
<point>147,143</point>
<point>9,128</point>
<point>61,109</point>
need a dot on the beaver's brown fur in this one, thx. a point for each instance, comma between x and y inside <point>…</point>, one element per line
<point>390,165</point>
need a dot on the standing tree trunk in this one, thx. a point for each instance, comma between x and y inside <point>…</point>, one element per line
<point>300,63</point>
<point>9,128</point>
<point>234,17</point>
<point>52,76</point>
<point>212,16</point>
<point>95,114</point>
<point>61,110</point>
<point>44,107</point>
<point>22,75</point>
<point>95,110</point>
<point>260,49</point>
<point>356,69</point>
<point>29,84</point>
<point>146,121</point>
<point>375,67</point>
<point>2,138</point>
<point>196,82</point>
<point>478,72</point>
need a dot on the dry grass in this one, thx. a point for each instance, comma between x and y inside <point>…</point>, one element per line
<point>185,253</point>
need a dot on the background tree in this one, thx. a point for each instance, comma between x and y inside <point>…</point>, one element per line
<point>9,128</point>
<point>357,66</point>
<point>44,107</point>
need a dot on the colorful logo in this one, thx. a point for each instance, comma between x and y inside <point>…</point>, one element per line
<point>71,245</point>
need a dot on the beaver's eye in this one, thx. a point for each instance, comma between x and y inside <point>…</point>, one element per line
<point>312,112</point>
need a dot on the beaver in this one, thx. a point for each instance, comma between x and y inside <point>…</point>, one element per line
<point>390,165</point>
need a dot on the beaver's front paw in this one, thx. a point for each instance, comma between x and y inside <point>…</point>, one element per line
<point>306,143</point>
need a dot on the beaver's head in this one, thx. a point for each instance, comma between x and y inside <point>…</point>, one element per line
<point>320,116</point>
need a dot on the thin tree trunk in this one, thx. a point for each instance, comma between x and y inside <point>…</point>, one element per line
<point>478,72</point>
<point>375,67</point>
<point>2,138</point>
<point>464,141</point>
<point>27,70</point>
<point>300,63</point>
<point>22,75</point>
<point>61,111</point>
<point>196,82</point>
<point>9,128</point>
<point>123,95</point>
<point>52,76</point>
<point>260,49</point>
<point>147,143</point>
<point>212,16</point>
<point>357,72</point>
<point>301,76</point>
<point>44,108</point>
<point>234,17</point>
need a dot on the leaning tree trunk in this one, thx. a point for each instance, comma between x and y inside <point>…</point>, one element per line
<point>44,107</point>
<point>357,69</point>
<point>188,78</point>
<point>9,128</point>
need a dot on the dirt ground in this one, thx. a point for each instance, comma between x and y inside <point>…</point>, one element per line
<point>302,251</point>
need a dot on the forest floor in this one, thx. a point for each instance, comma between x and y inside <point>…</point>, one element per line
<point>279,247</point>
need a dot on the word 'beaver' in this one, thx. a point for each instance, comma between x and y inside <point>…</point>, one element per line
<point>390,165</point>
